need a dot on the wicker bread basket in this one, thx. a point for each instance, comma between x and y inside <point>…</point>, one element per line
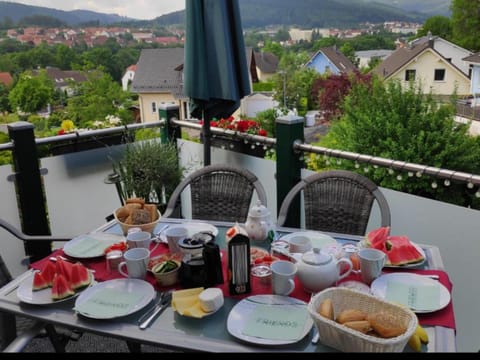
<point>345,339</point>
<point>144,227</point>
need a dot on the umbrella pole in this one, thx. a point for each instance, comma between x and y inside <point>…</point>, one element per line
<point>206,140</point>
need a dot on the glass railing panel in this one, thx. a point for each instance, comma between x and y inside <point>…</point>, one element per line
<point>78,199</point>
<point>11,248</point>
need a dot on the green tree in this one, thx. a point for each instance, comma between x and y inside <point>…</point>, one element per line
<point>4,103</point>
<point>466,23</point>
<point>348,50</point>
<point>274,48</point>
<point>96,98</point>
<point>65,57</point>
<point>31,93</point>
<point>293,82</point>
<point>393,122</point>
<point>437,25</point>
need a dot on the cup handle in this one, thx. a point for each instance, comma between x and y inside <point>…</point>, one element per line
<point>349,270</point>
<point>292,286</point>
<point>120,266</point>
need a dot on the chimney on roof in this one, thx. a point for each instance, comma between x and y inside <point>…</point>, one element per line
<point>430,39</point>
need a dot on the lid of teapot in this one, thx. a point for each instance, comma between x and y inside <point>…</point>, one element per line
<point>316,258</point>
<point>258,210</point>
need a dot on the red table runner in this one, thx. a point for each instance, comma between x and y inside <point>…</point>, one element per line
<point>444,317</point>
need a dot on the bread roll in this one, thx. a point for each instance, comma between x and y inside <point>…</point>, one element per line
<point>350,315</point>
<point>360,325</point>
<point>133,206</point>
<point>122,213</point>
<point>326,308</point>
<point>140,216</point>
<point>152,210</point>
<point>136,201</point>
<point>386,325</point>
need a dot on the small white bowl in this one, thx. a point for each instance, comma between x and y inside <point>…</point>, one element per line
<point>166,278</point>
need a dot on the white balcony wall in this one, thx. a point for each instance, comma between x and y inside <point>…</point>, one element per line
<point>11,248</point>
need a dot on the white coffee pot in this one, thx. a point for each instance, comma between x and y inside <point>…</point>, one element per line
<point>318,271</point>
<point>259,225</point>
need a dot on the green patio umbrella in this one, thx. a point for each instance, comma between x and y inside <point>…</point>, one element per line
<point>215,65</point>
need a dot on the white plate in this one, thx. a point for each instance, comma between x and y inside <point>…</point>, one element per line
<point>412,265</point>
<point>237,319</point>
<point>91,245</point>
<point>127,287</point>
<point>193,228</point>
<point>379,287</point>
<point>43,297</point>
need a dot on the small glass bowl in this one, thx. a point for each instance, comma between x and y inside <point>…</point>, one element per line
<point>263,273</point>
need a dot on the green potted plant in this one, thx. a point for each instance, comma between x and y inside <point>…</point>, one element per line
<point>148,169</point>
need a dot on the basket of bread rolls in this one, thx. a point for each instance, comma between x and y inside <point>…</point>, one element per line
<point>352,321</point>
<point>137,213</point>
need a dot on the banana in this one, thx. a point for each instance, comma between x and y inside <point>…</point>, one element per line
<point>422,334</point>
<point>415,343</point>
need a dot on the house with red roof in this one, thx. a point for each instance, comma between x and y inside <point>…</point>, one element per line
<point>6,79</point>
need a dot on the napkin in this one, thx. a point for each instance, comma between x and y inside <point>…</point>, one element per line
<point>415,296</point>
<point>276,322</point>
<point>108,303</point>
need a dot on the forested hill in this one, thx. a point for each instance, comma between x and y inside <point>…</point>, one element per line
<point>311,13</point>
<point>259,13</point>
<point>16,12</point>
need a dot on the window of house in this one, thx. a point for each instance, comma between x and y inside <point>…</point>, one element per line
<point>154,107</point>
<point>439,75</point>
<point>410,75</point>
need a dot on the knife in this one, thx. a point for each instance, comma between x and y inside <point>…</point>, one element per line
<point>165,301</point>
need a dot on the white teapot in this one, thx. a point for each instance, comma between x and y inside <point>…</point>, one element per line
<point>318,271</point>
<point>259,225</point>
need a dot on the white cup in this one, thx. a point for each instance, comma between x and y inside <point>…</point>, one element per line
<point>174,235</point>
<point>136,261</point>
<point>372,262</point>
<point>299,244</point>
<point>283,273</point>
<point>139,239</point>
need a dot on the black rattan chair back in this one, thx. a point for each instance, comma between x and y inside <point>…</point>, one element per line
<point>337,201</point>
<point>218,193</point>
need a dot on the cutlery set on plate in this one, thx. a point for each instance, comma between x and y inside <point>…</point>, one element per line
<point>164,300</point>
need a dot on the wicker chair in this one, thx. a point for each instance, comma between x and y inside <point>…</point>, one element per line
<point>337,201</point>
<point>218,192</point>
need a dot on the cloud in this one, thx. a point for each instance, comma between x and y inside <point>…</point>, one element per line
<point>138,9</point>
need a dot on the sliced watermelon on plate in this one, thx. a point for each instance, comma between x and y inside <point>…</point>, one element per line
<point>39,281</point>
<point>376,238</point>
<point>48,272</point>
<point>79,276</point>
<point>401,251</point>
<point>61,289</point>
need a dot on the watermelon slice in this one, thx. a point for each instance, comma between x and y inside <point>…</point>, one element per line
<point>376,238</point>
<point>39,281</point>
<point>400,251</point>
<point>61,289</point>
<point>64,267</point>
<point>48,272</point>
<point>79,276</point>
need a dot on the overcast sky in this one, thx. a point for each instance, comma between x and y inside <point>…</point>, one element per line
<point>137,9</point>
